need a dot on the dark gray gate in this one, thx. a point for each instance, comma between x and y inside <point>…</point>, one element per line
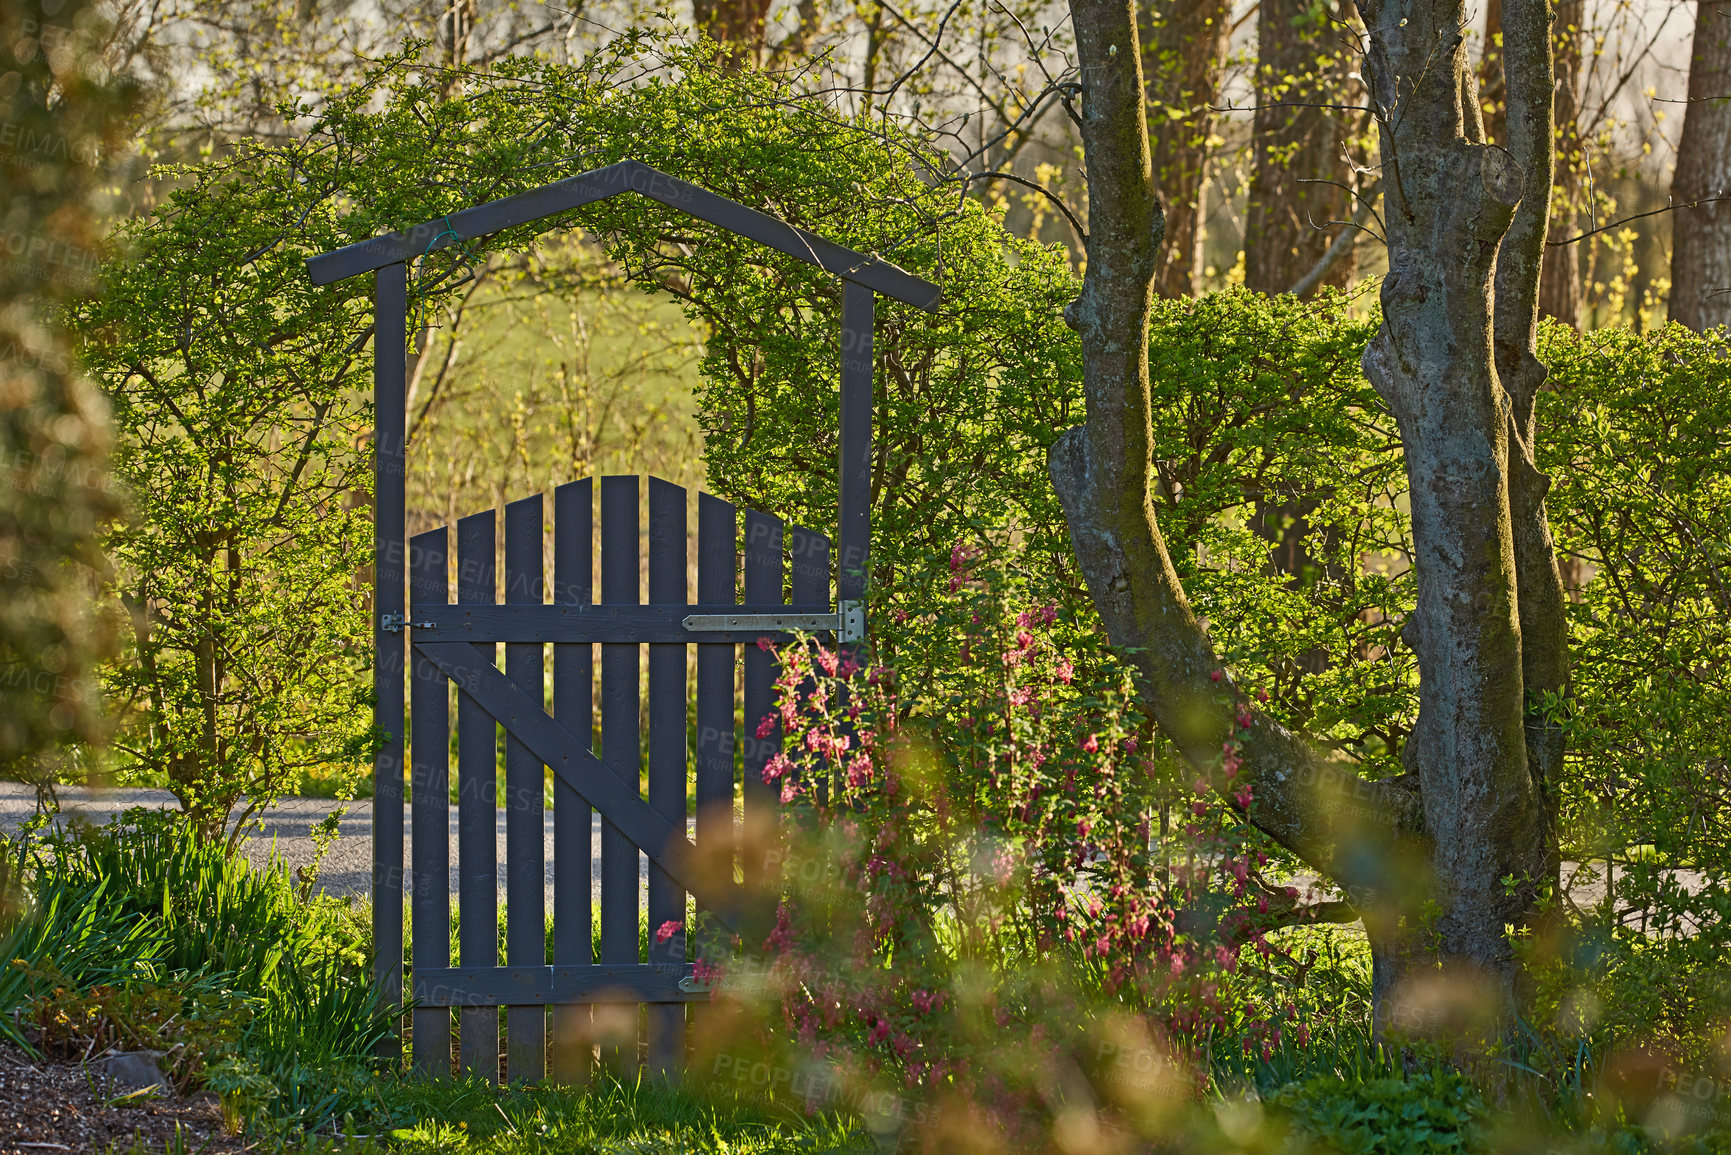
<point>456,641</point>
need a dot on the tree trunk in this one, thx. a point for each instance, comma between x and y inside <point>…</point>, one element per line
<point>1308,799</point>
<point>1301,178</point>
<point>1471,812</point>
<point>1560,275</point>
<point>739,26</point>
<point>1183,49</point>
<point>1701,225</point>
<point>1451,201</point>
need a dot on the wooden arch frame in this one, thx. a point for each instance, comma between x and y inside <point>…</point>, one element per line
<point>386,257</point>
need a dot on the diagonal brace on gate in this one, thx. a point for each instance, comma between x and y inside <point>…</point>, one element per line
<point>599,784</point>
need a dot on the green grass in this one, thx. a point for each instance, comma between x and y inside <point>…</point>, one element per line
<point>610,1116</point>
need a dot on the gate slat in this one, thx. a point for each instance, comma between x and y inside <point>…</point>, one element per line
<point>808,564</point>
<point>525,866</point>
<point>762,583</point>
<point>621,745</point>
<point>429,749</point>
<point>574,707</point>
<point>477,837</point>
<point>666,901</point>
<point>717,558</point>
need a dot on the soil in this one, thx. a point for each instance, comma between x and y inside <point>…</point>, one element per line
<point>48,1107</point>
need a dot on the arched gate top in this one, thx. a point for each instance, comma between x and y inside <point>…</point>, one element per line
<point>865,269</point>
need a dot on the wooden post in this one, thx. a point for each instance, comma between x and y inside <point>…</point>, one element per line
<point>390,314</point>
<point>854,467</point>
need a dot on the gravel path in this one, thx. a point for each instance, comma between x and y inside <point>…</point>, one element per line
<point>286,831</point>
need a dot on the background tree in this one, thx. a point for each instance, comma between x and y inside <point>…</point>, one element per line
<point>1701,188</point>
<point>1301,180</point>
<point>1183,48</point>
<point>62,118</point>
<point>1560,274</point>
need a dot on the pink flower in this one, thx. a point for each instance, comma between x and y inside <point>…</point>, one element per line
<point>859,771</point>
<point>1091,743</point>
<point>926,1001</point>
<point>1200,786</point>
<point>789,790</point>
<point>1215,676</point>
<point>1065,671</point>
<point>1024,639</point>
<point>775,767</point>
<point>667,930</point>
<point>766,644</point>
<point>766,727</point>
<point>1130,745</point>
<point>1262,695</point>
<point>827,660</point>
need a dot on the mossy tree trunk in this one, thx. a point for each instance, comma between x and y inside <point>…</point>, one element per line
<point>1424,856</point>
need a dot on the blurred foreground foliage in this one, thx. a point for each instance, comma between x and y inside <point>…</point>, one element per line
<point>63,116</point>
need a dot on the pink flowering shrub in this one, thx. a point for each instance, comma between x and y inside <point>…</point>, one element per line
<point>992,879</point>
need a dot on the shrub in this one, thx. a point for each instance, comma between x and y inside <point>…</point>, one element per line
<point>982,900</point>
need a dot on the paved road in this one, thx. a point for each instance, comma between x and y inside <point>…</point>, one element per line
<point>287,828</point>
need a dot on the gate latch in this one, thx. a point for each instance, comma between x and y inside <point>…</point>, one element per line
<point>848,623</point>
<point>394,623</point>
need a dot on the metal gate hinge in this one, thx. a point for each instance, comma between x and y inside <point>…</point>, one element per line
<point>848,623</point>
<point>394,623</point>
<point>852,622</point>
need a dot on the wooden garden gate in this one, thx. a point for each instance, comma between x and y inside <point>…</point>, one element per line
<point>457,641</point>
